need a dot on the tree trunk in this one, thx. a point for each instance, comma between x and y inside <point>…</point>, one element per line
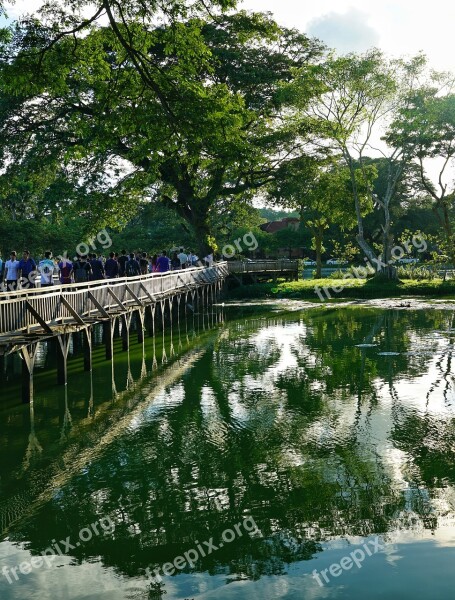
<point>363,244</point>
<point>196,213</point>
<point>318,247</point>
<point>201,228</point>
<point>389,271</point>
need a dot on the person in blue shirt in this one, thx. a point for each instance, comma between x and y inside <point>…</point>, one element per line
<point>46,268</point>
<point>97,268</point>
<point>111,267</point>
<point>27,270</point>
<point>163,262</point>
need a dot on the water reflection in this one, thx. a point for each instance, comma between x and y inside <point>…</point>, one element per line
<point>327,427</point>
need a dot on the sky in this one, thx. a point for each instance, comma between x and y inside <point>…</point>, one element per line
<point>399,27</point>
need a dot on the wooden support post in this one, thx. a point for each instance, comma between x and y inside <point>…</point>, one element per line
<point>63,342</point>
<point>163,313</point>
<point>140,316</point>
<point>116,329</point>
<point>150,320</point>
<point>88,363</point>
<point>109,327</point>
<point>179,297</point>
<point>126,322</point>
<point>38,318</point>
<point>28,354</point>
<point>133,295</point>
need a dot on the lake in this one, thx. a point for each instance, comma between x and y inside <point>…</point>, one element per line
<point>251,454</point>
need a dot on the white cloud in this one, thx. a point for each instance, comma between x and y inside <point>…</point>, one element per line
<point>347,32</point>
<point>402,27</point>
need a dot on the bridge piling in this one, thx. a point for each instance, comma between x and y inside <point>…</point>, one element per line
<point>63,342</point>
<point>88,343</point>
<point>140,316</point>
<point>28,354</point>
<point>108,327</point>
<point>126,323</point>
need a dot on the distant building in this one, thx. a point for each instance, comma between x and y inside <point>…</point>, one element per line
<point>287,222</point>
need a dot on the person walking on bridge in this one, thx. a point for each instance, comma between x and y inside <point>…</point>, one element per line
<point>163,262</point>
<point>46,269</point>
<point>132,268</point>
<point>111,267</point>
<point>12,272</point>
<point>82,270</point>
<point>143,263</point>
<point>183,258</point>
<point>122,260</point>
<point>97,268</point>
<point>65,268</point>
<point>27,271</point>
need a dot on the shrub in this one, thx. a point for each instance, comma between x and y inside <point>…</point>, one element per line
<point>416,273</point>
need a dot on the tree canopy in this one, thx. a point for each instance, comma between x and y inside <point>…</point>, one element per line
<point>111,106</point>
<point>207,129</point>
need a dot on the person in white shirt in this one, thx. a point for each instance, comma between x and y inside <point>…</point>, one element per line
<point>46,269</point>
<point>209,259</point>
<point>12,272</point>
<point>183,258</point>
<point>192,259</point>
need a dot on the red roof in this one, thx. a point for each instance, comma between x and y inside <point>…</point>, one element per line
<point>275,226</point>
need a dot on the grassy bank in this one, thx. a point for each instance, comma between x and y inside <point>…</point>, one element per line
<point>342,288</point>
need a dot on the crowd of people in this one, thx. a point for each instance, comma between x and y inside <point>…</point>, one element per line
<point>27,273</point>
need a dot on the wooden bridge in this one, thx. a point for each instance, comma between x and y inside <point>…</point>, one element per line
<point>28,317</point>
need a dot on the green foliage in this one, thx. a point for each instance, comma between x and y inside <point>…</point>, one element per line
<point>166,119</point>
<point>351,288</point>
<point>42,235</point>
<point>162,102</point>
<point>417,273</point>
<point>425,129</point>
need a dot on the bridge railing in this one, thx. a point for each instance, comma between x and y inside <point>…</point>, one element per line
<point>60,303</point>
<point>263,266</point>
<point>23,310</point>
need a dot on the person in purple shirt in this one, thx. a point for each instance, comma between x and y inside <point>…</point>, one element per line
<point>163,262</point>
<point>65,269</point>
<point>111,267</point>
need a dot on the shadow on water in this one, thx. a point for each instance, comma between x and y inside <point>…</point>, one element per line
<point>322,426</point>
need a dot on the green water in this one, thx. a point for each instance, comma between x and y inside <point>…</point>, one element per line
<point>272,444</point>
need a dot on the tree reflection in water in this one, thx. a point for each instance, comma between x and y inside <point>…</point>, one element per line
<point>281,418</point>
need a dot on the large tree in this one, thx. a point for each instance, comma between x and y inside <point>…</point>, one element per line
<point>425,127</point>
<point>186,110</point>
<point>358,96</point>
<point>321,190</point>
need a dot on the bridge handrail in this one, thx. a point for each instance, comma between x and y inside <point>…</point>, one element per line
<point>263,265</point>
<point>23,310</point>
<point>60,302</point>
<point>89,285</point>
